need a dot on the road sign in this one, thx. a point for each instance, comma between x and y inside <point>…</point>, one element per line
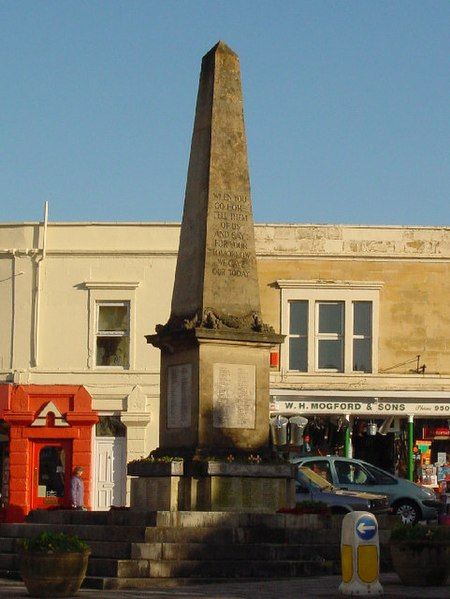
<point>360,555</point>
<point>366,528</point>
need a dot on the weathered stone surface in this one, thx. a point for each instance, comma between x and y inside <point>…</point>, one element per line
<point>175,468</point>
<point>217,468</point>
<point>216,281</point>
<point>215,346</point>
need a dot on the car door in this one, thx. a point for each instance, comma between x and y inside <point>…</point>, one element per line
<point>304,491</point>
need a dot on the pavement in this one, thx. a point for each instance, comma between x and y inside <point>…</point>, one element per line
<point>294,588</point>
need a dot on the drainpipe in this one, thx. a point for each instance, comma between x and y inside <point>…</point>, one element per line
<point>348,439</point>
<point>410,472</point>
<point>13,307</point>
<point>37,289</point>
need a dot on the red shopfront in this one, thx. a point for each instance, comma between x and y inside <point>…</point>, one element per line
<point>47,431</point>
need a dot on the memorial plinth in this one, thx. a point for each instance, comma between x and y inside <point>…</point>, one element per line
<point>215,346</point>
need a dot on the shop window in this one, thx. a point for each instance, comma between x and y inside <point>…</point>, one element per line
<point>110,426</point>
<point>331,328</point>
<point>112,335</point>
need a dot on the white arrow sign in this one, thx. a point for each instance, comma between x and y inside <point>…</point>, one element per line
<point>362,527</point>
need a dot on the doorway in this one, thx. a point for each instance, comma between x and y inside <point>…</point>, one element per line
<point>110,465</point>
<point>51,470</point>
<point>110,472</point>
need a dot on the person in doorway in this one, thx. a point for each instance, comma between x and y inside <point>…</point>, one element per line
<point>77,489</point>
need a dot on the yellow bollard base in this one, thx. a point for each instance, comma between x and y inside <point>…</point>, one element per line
<point>357,588</point>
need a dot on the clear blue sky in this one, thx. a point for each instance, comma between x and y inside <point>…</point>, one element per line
<point>347,107</point>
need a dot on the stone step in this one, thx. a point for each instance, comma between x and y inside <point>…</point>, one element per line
<point>236,568</point>
<point>112,583</point>
<point>8,562</point>
<point>7,544</point>
<point>249,535</point>
<point>131,517</point>
<point>208,551</point>
<point>108,533</point>
<point>110,518</point>
<point>207,568</point>
<point>121,568</point>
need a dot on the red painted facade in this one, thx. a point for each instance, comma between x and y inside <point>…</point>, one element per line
<point>45,418</point>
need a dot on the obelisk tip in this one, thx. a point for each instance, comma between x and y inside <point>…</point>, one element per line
<point>221,47</point>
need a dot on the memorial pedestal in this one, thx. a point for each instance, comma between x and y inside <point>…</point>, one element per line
<point>214,486</point>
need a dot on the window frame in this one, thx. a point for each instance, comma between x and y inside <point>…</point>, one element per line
<point>116,334</point>
<point>347,292</point>
<point>107,292</point>
<point>318,336</point>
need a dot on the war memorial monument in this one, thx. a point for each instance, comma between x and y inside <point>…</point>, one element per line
<point>214,449</point>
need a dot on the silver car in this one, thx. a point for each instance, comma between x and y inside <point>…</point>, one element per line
<point>310,486</point>
<point>409,500</point>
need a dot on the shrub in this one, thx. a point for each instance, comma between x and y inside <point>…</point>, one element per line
<point>406,532</point>
<point>53,542</point>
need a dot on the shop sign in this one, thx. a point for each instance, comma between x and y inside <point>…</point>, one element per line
<point>363,407</point>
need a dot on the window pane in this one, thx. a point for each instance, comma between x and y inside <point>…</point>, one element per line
<point>380,477</point>
<point>112,351</point>
<point>330,354</point>
<point>113,318</point>
<point>110,426</point>
<point>331,317</point>
<point>362,318</point>
<point>322,468</point>
<point>298,354</point>
<point>352,474</point>
<point>362,355</point>
<point>51,472</point>
<point>298,318</point>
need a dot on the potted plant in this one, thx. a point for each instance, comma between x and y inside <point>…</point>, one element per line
<point>53,564</point>
<point>156,466</point>
<point>421,554</point>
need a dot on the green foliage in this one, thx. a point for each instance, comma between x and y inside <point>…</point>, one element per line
<point>53,542</point>
<point>406,532</point>
<point>165,459</point>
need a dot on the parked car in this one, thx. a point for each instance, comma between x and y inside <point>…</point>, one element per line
<point>407,499</point>
<point>310,486</point>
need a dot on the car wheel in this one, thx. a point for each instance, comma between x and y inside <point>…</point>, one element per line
<point>408,511</point>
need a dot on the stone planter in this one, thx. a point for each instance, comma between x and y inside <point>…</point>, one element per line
<point>175,468</point>
<point>421,563</point>
<point>217,468</point>
<point>53,574</point>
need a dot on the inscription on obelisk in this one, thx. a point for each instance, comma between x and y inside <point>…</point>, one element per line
<point>179,396</point>
<point>229,244</point>
<point>234,395</point>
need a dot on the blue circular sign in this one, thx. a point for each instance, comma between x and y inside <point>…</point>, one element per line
<point>366,528</point>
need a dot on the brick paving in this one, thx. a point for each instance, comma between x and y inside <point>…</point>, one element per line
<point>296,588</point>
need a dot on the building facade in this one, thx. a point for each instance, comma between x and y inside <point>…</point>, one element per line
<point>364,311</point>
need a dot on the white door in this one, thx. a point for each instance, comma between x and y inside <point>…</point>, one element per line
<point>110,472</point>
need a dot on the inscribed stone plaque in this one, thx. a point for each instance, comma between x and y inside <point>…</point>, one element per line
<point>179,395</point>
<point>234,395</point>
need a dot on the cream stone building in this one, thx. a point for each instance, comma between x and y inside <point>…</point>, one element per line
<point>365,311</point>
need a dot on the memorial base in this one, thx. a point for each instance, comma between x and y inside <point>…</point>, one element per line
<point>216,486</point>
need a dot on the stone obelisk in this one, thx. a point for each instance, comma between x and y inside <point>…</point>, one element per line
<point>215,346</point>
